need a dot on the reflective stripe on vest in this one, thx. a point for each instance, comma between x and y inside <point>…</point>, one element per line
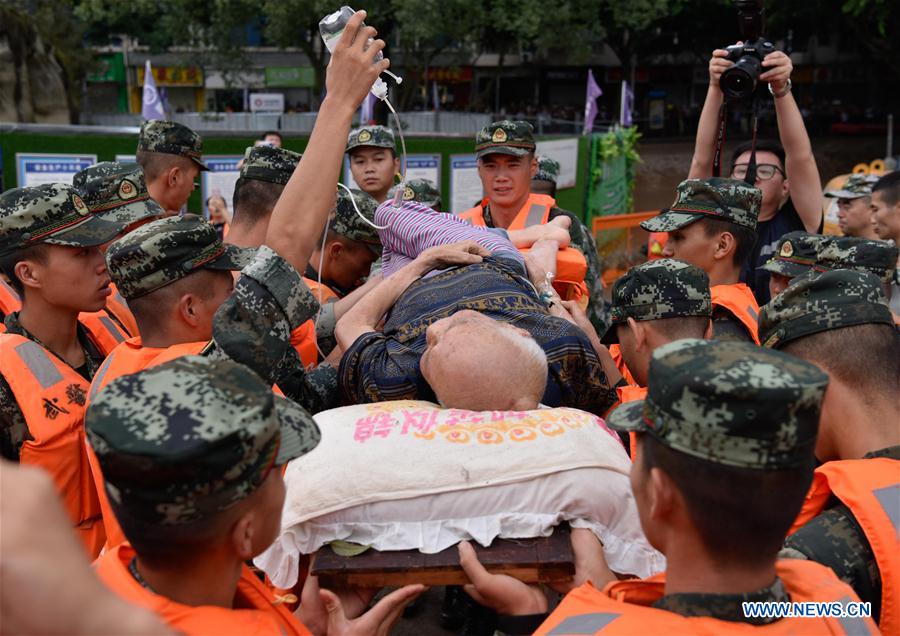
<point>870,488</point>
<point>51,396</point>
<point>739,301</point>
<point>625,607</point>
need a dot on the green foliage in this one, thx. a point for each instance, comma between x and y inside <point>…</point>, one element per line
<point>606,149</point>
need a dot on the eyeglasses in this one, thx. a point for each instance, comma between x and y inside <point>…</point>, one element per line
<point>764,171</point>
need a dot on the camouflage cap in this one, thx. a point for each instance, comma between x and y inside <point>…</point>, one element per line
<point>423,191</point>
<point>171,138</point>
<point>346,221</point>
<point>51,213</point>
<point>167,250</point>
<point>724,199</point>
<point>185,440</point>
<point>817,302</point>
<point>505,137</point>
<point>377,136</point>
<point>730,403</point>
<point>548,169</point>
<point>855,187</point>
<point>859,254</point>
<point>268,163</point>
<point>117,192</point>
<point>795,253</point>
<point>658,289</point>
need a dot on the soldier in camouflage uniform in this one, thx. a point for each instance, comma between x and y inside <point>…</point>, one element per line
<point>192,452</point>
<point>510,145</point>
<point>49,250</point>
<point>854,197</point>
<point>794,255</point>
<point>178,260</point>
<point>726,436</point>
<point>423,191</point>
<point>712,224</point>
<point>544,180</point>
<point>349,247</point>
<point>171,156</point>
<point>374,163</point>
<point>839,321</point>
<point>653,304</point>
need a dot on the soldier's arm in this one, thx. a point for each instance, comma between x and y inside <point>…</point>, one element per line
<point>13,428</point>
<point>330,313</point>
<point>351,72</point>
<point>583,240</point>
<point>835,540</point>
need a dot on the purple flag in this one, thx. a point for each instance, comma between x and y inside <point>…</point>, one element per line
<point>627,105</point>
<point>590,102</point>
<point>151,104</point>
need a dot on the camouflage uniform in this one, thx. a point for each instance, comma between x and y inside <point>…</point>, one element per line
<point>855,187</point>
<point>117,192</point>
<point>703,401</point>
<point>253,325</point>
<point>183,441</point>
<point>374,136</point>
<point>716,198</point>
<point>515,138</point>
<point>859,254</point>
<point>660,289</point>
<point>423,191</point>
<point>548,170</point>
<point>795,254</point>
<point>55,214</point>
<point>171,138</point>
<point>815,303</point>
<point>270,164</point>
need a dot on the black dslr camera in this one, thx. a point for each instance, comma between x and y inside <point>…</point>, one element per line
<point>739,81</point>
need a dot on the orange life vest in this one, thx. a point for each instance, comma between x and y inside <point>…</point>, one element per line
<point>571,266</point>
<point>103,329</point>
<point>10,301</point>
<point>129,357</point>
<point>303,339</point>
<point>259,613</point>
<point>623,607</point>
<point>870,488</point>
<point>327,294</point>
<point>616,352</point>
<point>51,396</point>
<point>631,393</point>
<point>739,300</point>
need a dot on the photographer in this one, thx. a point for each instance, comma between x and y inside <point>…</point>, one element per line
<point>787,172</point>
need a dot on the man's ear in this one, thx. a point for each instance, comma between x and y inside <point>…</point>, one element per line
<point>188,309</point>
<point>639,333</point>
<point>242,536</point>
<point>172,176</point>
<point>708,332</point>
<point>664,496</point>
<point>334,249</point>
<point>725,246</point>
<point>534,166</point>
<point>28,274</point>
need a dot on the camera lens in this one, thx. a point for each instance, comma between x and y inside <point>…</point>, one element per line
<point>739,81</point>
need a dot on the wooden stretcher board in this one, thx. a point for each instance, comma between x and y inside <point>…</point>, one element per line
<point>539,560</point>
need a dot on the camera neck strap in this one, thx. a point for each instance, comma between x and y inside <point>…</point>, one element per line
<point>720,140</point>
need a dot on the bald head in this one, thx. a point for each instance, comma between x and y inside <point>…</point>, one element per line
<point>476,363</point>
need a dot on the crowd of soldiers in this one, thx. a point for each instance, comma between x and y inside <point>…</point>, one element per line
<point>156,378</point>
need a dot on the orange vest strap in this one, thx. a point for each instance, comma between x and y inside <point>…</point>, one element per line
<point>322,292</point>
<point>624,607</point>
<point>870,488</point>
<point>51,396</point>
<point>303,339</point>
<point>9,299</point>
<point>739,300</point>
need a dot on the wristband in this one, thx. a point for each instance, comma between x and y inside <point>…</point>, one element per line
<point>783,92</point>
